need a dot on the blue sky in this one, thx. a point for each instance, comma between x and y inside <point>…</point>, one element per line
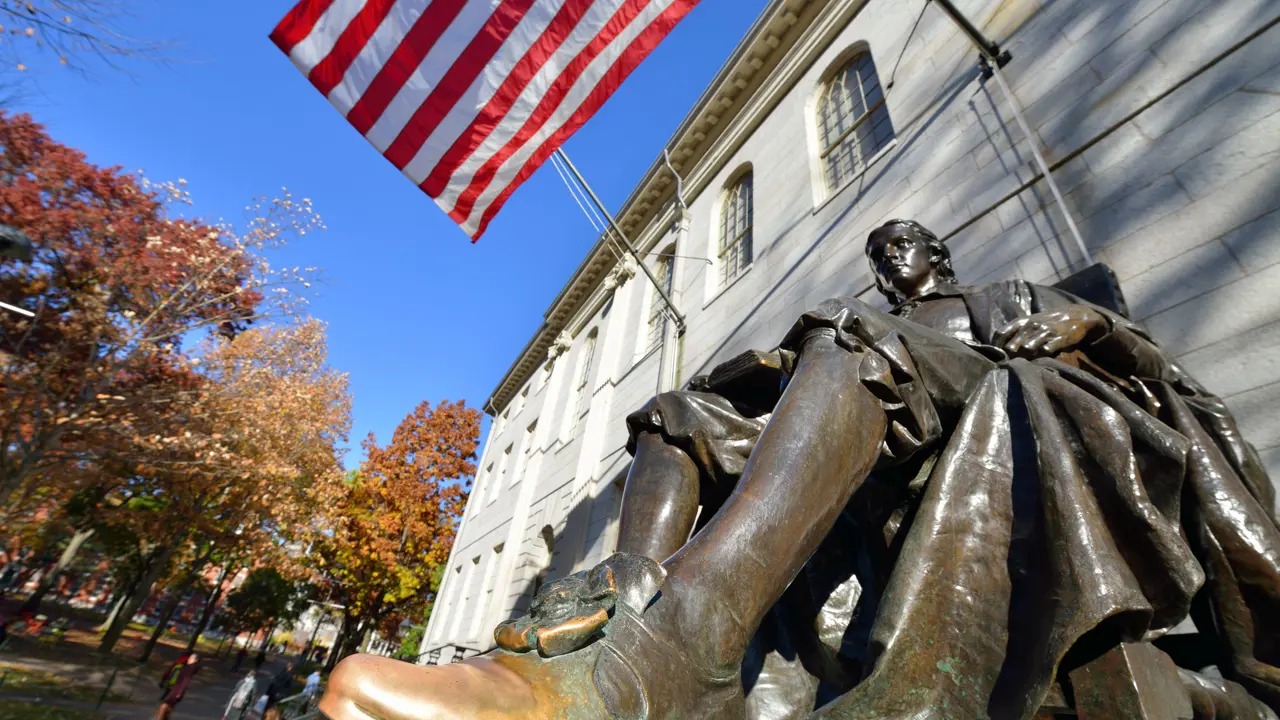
<point>415,311</point>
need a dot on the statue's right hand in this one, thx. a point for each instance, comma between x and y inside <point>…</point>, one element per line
<point>1049,333</point>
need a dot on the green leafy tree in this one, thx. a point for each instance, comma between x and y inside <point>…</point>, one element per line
<point>265,600</point>
<point>411,643</point>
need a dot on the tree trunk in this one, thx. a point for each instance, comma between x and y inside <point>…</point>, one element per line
<point>210,605</point>
<point>350,641</point>
<point>271,630</point>
<point>339,641</point>
<point>172,605</point>
<point>156,565</point>
<point>119,598</point>
<point>51,576</point>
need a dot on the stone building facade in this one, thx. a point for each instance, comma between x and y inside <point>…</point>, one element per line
<point>1160,122</point>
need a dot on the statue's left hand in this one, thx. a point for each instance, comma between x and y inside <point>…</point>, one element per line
<point>1049,333</point>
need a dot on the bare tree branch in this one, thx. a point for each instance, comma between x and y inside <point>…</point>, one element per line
<point>74,32</point>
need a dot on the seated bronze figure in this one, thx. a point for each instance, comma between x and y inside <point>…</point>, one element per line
<point>965,507</point>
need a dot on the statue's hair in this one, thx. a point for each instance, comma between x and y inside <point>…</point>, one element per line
<point>939,255</point>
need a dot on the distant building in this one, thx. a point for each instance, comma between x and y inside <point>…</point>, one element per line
<point>1160,118</point>
<point>319,622</point>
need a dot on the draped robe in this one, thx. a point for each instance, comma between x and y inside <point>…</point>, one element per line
<point>1024,514</point>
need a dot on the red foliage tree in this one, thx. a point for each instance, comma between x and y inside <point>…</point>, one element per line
<point>116,285</point>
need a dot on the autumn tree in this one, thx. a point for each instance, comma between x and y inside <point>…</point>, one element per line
<point>166,397</point>
<point>393,523</point>
<point>279,415</point>
<point>264,435</point>
<point>118,285</point>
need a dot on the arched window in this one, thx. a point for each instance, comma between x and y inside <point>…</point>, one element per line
<point>853,121</point>
<point>735,229</point>
<point>663,271</point>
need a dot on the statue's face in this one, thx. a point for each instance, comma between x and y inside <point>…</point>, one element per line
<point>900,259</point>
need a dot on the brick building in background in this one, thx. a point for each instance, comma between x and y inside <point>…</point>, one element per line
<point>1160,120</point>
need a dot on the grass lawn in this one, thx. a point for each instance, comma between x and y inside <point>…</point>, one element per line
<point>33,682</point>
<point>10,710</point>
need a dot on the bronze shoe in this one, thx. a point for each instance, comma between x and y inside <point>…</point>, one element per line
<point>591,647</point>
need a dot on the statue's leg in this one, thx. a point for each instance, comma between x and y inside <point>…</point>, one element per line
<point>690,449</point>
<point>820,445</point>
<point>660,503</point>
<point>681,655</point>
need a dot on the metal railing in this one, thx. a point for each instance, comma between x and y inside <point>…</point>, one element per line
<point>302,705</point>
<point>460,653</point>
<point>295,707</point>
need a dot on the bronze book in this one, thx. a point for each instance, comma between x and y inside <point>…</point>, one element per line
<point>747,375</point>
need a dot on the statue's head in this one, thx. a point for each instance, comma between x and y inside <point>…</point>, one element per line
<point>907,260</point>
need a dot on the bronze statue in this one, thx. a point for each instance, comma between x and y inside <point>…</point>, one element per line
<point>14,243</point>
<point>989,502</point>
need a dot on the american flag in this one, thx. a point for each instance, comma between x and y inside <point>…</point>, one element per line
<point>469,97</point>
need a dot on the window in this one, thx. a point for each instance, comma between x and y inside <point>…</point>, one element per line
<point>523,467</point>
<point>465,595</point>
<point>445,609</point>
<point>657,308</point>
<point>520,400</point>
<point>853,121</point>
<point>482,483</point>
<point>479,620</point>
<point>495,482</point>
<point>735,229</point>
<point>582,402</point>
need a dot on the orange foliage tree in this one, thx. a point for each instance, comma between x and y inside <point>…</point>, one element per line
<point>393,522</point>
<point>264,434</point>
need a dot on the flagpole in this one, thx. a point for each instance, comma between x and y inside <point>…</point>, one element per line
<point>626,244</point>
<point>18,310</point>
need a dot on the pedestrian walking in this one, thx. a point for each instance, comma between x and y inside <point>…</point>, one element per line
<point>313,684</point>
<point>311,690</point>
<point>242,697</point>
<point>278,690</point>
<point>260,660</point>
<point>240,656</point>
<point>170,676</point>
<point>182,681</point>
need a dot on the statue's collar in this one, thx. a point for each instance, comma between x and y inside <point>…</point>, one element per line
<point>946,290</point>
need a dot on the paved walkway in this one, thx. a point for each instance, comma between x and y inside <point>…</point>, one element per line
<point>206,697</point>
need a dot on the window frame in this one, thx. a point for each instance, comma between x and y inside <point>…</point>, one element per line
<point>826,152</point>
<point>745,176</point>
<point>504,466</point>
<point>581,403</point>
<point>666,272</point>
<point>526,453</point>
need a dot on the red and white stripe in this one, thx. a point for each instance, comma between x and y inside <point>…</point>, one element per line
<point>469,97</point>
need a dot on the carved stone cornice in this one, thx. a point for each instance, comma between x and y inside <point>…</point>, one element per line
<point>620,274</point>
<point>561,345</point>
